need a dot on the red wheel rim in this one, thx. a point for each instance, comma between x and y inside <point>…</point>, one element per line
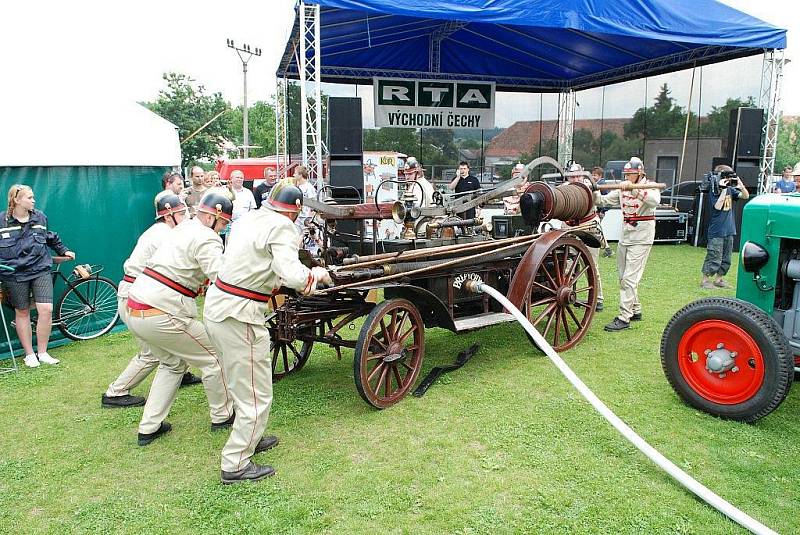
<point>734,386</point>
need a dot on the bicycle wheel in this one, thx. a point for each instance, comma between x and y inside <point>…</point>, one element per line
<point>87,309</point>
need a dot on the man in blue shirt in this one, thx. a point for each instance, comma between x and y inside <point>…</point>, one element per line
<point>786,183</point>
<point>725,189</point>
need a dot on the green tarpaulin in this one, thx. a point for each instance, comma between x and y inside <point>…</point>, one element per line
<point>98,211</point>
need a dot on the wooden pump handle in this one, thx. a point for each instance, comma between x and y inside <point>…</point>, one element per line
<point>649,185</point>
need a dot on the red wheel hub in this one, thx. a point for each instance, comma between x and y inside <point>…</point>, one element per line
<point>728,385</point>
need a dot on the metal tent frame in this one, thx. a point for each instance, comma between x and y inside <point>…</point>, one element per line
<point>306,49</point>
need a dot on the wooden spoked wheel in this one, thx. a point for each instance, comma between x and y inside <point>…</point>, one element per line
<point>562,294</point>
<point>389,352</point>
<point>287,357</point>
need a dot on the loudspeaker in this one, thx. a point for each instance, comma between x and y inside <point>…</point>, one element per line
<point>344,127</point>
<point>748,171</point>
<point>720,160</point>
<point>347,174</point>
<point>744,134</point>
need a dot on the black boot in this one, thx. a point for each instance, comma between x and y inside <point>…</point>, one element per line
<point>266,443</point>
<point>617,325</point>
<point>598,307</point>
<point>147,438</point>
<point>637,316</point>
<point>252,472</point>
<point>121,402</point>
<point>216,426</point>
<point>190,379</point>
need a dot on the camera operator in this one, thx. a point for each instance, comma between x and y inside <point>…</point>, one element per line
<point>724,188</point>
<point>312,241</point>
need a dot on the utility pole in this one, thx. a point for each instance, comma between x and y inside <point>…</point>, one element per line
<point>245,53</point>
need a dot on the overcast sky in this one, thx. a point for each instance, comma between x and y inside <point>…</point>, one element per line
<point>93,49</point>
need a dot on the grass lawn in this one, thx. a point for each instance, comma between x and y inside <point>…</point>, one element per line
<point>502,445</point>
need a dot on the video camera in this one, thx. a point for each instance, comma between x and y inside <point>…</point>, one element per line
<point>711,181</point>
<point>731,176</point>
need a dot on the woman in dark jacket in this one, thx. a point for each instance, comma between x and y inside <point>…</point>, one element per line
<point>24,239</point>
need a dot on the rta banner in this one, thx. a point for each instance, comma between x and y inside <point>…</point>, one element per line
<point>433,104</point>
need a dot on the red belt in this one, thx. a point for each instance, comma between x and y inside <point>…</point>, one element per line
<point>136,305</point>
<point>637,218</point>
<point>140,310</point>
<point>128,278</point>
<point>242,292</point>
<point>178,287</point>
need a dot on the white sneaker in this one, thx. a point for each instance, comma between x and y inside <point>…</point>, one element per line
<point>31,361</point>
<point>47,359</point>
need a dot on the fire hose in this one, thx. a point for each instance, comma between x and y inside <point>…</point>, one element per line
<point>701,491</point>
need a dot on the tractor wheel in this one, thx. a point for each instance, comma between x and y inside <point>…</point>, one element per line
<point>728,358</point>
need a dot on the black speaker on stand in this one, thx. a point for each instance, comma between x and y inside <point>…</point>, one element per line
<point>346,170</point>
<point>344,128</point>
<point>744,133</point>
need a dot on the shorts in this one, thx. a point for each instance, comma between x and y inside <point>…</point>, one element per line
<point>19,293</point>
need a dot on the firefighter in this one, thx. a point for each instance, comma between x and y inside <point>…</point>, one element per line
<point>413,170</point>
<point>576,173</point>
<point>511,203</point>
<point>162,311</point>
<point>638,231</point>
<point>256,263</point>
<point>170,211</point>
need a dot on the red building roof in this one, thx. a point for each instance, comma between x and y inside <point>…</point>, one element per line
<point>523,136</point>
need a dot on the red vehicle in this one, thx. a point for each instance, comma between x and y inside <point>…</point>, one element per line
<point>253,168</point>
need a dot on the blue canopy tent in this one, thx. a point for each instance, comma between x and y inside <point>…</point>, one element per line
<point>535,45</point>
<point>521,45</point>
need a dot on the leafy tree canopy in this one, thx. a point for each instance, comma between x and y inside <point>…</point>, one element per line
<point>186,105</point>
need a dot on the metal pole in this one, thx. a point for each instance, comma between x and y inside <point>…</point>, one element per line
<point>245,125</point>
<point>248,54</point>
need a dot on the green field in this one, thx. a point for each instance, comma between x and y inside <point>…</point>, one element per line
<point>503,445</point>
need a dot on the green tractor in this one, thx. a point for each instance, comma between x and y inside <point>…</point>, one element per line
<point>736,358</point>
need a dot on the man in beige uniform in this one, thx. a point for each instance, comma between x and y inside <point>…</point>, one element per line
<point>511,203</point>
<point>260,257</point>
<point>577,174</point>
<point>170,211</point>
<point>638,232</point>
<point>162,312</point>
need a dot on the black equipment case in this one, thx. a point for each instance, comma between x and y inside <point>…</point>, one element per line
<point>671,225</point>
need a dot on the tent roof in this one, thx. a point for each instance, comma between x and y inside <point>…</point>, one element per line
<point>527,45</point>
<point>77,131</point>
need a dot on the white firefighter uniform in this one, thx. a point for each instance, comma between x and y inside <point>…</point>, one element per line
<point>163,312</point>
<point>422,193</point>
<point>255,264</point>
<point>592,218</point>
<point>638,232</point>
<point>144,361</point>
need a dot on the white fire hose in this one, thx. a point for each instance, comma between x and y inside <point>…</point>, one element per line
<point>702,492</point>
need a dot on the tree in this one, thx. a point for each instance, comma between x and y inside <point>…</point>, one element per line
<point>788,151</point>
<point>261,124</point>
<point>438,147</point>
<point>186,105</point>
<point>663,119</point>
<point>403,140</point>
<point>717,123</point>
<point>294,118</point>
